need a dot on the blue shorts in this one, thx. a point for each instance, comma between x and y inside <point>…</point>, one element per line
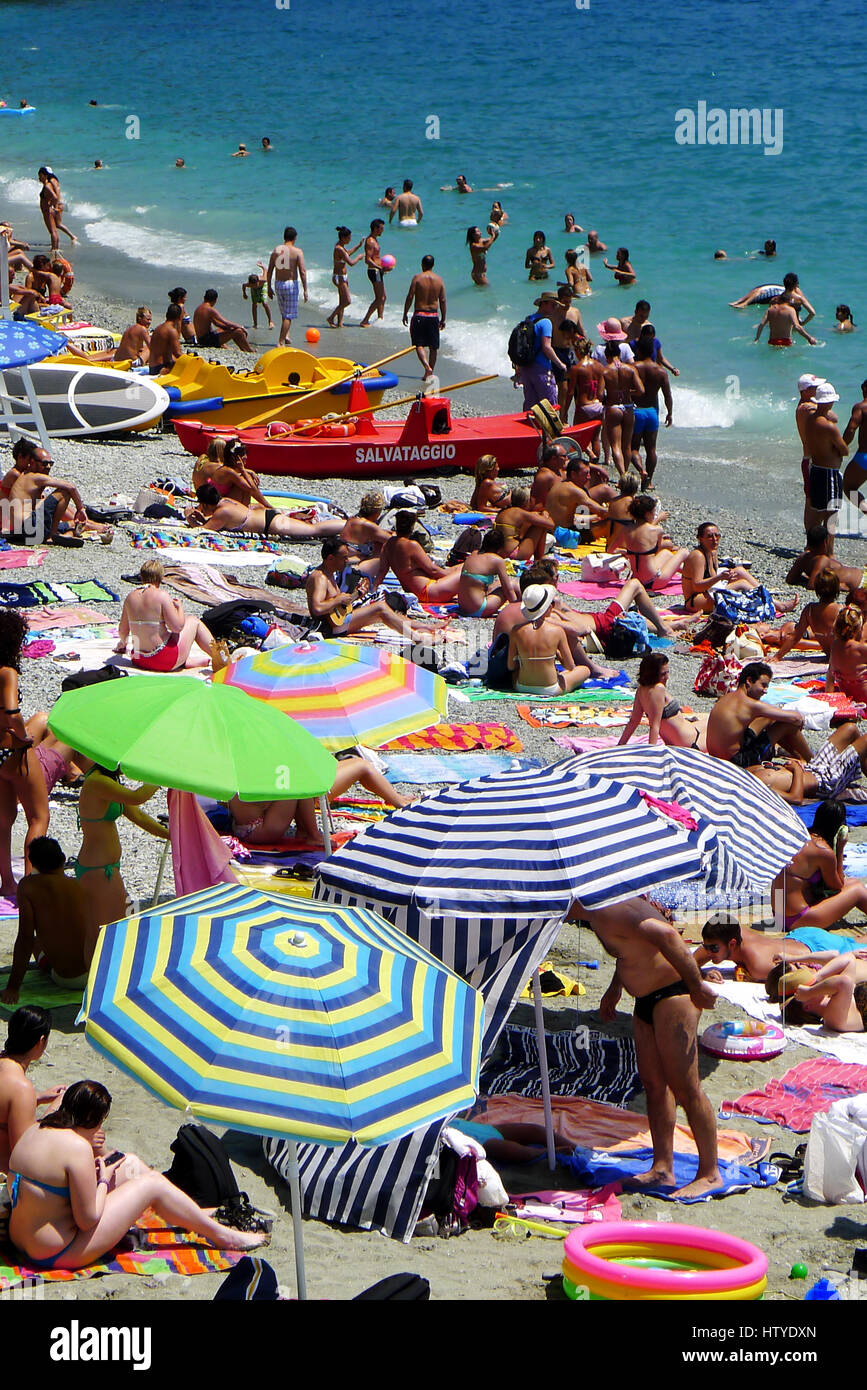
<point>861,459</point>
<point>646,421</point>
<point>819,940</point>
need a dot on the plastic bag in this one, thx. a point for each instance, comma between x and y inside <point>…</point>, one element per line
<point>835,1164</point>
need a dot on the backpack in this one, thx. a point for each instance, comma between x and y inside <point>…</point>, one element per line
<point>408,1288</point>
<point>81,679</point>
<point>452,1194</point>
<point>225,619</point>
<point>498,676</point>
<point>201,1167</point>
<point>523,346</point>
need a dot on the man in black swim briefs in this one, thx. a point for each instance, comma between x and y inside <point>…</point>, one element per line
<point>658,970</point>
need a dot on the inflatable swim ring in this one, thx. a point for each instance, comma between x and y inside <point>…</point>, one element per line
<point>636,1260</point>
<point>751,1040</point>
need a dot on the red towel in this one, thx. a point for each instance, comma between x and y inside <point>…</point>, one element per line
<point>806,1090</point>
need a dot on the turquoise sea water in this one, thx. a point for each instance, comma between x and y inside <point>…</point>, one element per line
<point>572,109</point>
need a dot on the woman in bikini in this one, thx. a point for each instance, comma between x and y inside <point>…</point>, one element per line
<point>479,246</point>
<point>665,715</point>
<point>489,495</point>
<point>525,533</point>
<point>537,644</point>
<point>51,206</point>
<point>269,822</point>
<point>223,464</point>
<point>834,994</point>
<point>653,556</point>
<point>154,627</point>
<point>484,584</point>
<point>103,801</point>
<point>21,778</point>
<point>69,1207</point>
<point>815,891</point>
<point>847,667</point>
<point>26,1041</point>
<point>498,218</point>
<point>342,260</point>
<point>702,571</point>
<point>215,513</point>
<point>539,259</point>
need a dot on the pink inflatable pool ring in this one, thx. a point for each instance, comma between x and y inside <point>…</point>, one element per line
<point>617,1260</point>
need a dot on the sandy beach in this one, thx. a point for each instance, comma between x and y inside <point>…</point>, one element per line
<point>477,1265</point>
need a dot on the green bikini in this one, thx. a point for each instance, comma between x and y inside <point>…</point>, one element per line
<point>114,811</point>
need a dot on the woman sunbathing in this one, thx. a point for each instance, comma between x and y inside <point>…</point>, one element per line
<point>216,513</point>
<point>26,1041</point>
<point>484,583</point>
<point>269,822</point>
<point>653,556</point>
<point>847,666</point>
<point>834,994</point>
<point>223,464</point>
<point>815,891</point>
<point>538,644</point>
<point>489,495</point>
<point>664,714</point>
<point>69,1208</point>
<point>158,633</point>
<point>702,572</point>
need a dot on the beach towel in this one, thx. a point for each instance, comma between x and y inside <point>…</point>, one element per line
<point>548,717</point>
<point>847,1047</point>
<point>427,769</point>
<point>454,738</point>
<point>178,538</point>
<point>569,1208</point>
<point>584,588</point>
<point>477,693</point>
<point>856,814</point>
<point>207,585</point>
<point>593,1124</point>
<point>71,615</point>
<point>37,987</point>
<point>597,1169</point>
<point>578,743</point>
<point>200,858</point>
<point>230,559</point>
<point>806,1090</point>
<point>21,559</point>
<point>152,1249</point>
<point>579,1064</point>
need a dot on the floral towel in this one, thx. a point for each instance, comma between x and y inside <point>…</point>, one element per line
<point>458,738</point>
<point>164,537</point>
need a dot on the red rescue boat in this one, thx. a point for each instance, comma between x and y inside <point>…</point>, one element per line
<point>427,441</point>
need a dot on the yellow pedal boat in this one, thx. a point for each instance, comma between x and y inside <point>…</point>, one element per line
<point>279,387</point>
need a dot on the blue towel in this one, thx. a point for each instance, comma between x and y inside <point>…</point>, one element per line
<point>856,812</point>
<point>610,682</point>
<point>597,1168</point>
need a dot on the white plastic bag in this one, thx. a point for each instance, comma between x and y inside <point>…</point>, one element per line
<point>600,568</point>
<point>836,1156</point>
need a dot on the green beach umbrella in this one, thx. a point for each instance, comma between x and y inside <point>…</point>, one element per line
<point>210,739</point>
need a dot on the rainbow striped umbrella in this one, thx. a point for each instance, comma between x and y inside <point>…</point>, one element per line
<point>297,1019</point>
<point>342,693</point>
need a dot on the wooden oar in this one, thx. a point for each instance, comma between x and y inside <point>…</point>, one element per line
<point>329,386</point>
<point>404,400</point>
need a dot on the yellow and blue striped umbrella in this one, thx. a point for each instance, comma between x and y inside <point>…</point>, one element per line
<point>295,1019</point>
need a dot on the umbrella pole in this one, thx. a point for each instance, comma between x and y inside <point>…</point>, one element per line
<point>160,871</point>
<point>326,823</point>
<point>543,1070</point>
<point>297,1228</point>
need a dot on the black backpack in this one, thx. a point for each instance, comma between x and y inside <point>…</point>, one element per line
<point>201,1167</point>
<point>523,346</point>
<point>81,679</point>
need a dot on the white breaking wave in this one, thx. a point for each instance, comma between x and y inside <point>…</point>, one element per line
<point>18,190</point>
<point>87,211</point>
<point>695,409</point>
<point>163,248</point>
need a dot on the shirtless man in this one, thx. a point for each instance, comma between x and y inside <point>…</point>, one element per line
<point>285,268</point>
<point>782,321</point>
<point>570,495</point>
<point>416,571</point>
<point>816,558</point>
<point>742,730</point>
<point>757,953</point>
<point>566,330</point>
<point>839,763</point>
<point>38,515</point>
<point>52,920</point>
<point>623,386</point>
<point>817,618</point>
<point>429,314</point>
<point>408,206</point>
<point>527,531</point>
<point>363,536</point>
<point>42,279</point>
<point>215,513</point>
<point>806,407</point>
<point>594,245</point>
<point>645,426</point>
<point>551,470</point>
<point>375,272</point>
<point>135,345</point>
<point>166,346</point>
<point>856,469</point>
<point>657,969</point>
<point>826,449</point>
<point>332,607</point>
<point>212,330</point>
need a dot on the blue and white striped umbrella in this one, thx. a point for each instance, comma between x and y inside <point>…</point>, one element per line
<point>528,843</point>
<point>23,343</point>
<point>757,831</point>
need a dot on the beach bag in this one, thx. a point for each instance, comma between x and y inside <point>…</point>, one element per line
<point>745,644</point>
<point>452,1195</point>
<point>498,676</point>
<point>523,346</point>
<point>469,540</point>
<point>225,620</point>
<point>546,418</point>
<point>717,675</point>
<point>630,636</point>
<point>405,1287</point>
<point>714,632</point>
<point>756,606</point>
<point>835,1164</point>
<point>604,569</point>
<point>81,679</point>
<point>252,1280</point>
<point>201,1167</point>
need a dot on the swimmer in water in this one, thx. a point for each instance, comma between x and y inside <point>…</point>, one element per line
<point>594,245</point>
<point>479,246</point>
<point>845,323</point>
<point>571,225</point>
<point>623,272</point>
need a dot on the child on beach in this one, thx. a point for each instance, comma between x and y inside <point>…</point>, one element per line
<point>256,284</point>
